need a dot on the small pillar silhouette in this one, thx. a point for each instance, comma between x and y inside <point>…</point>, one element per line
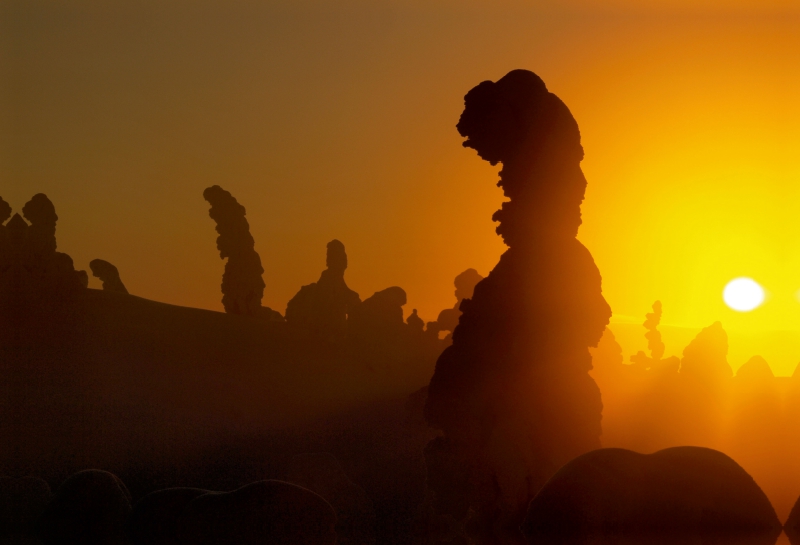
<point>415,323</point>
<point>322,307</point>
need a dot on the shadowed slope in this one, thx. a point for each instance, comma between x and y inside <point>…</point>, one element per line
<point>115,377</point>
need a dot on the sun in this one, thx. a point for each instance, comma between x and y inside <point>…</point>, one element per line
<point>743,294</point>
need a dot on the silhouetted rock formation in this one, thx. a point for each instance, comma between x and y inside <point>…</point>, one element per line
<point>260,513</point>
<point>654,344</point>
<point>659,402</point>
<point>83,278</point>
<point>21,503</point>
<point>154,518</point>
<point>513,394</point>
<point>792,524</point>
<point>607,357</point>
<point>378,320</point>
<point>91,506</point>
<point>108,275</point>
<point>5,250</point>
<point>756,369</point>
<point>30,266</point>
<point>415,323</point>
<point>322,308</point>
<point>242,284</point>
<point>706,357</point>
<point>705,380</point>
<point>678,491</point>
<point>53,269</point>
<point>5,210</point>
<point>448,318</point>
<point>321,473</point>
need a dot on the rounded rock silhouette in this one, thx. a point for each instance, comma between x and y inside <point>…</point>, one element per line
<point>90,507</point>
<point>680,490</point>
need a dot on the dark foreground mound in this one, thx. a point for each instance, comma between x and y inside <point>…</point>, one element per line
<point>681,490</point>
<point>154,520</point>
<point>22,501</point>
<point>91,507</point>
<point>261,513</point>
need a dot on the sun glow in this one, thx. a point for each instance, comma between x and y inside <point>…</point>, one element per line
<point>743,294</point>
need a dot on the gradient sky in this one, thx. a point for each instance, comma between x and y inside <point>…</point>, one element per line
<point>337,120</point>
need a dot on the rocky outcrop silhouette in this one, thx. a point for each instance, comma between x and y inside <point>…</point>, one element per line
<point>706,357</point>
<point>415,323</point>
<point>705,377</point>
<point>676,491</point>
<point>512,395</point>
<point>321,473</point>
<point>108,275</point>
<point>242,284</point>
<point>378,320</point>
<point>91,506</point>
<point>154,519</point>
<point>448,318</point>
<point>755,370</point>
<point>51,269</point>
<point>641,361</point>
<point>5,250</point>
<point>260,513</point>
<point>322,307</point>
<point>30,266</point>
<point>792,524</point>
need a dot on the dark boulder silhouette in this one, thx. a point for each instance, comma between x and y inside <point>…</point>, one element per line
<point>323,474</point>
<point>512,395</point>
<point>242,284</point>
<point>322,307</point>
<point>91,506</point>
<point>260,513</point>
<point>154,518</point>
<point>22,501</point>
<point>675,491</point>
<point>108,275</point>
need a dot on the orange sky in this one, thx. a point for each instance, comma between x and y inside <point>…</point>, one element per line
<point>336,120</point>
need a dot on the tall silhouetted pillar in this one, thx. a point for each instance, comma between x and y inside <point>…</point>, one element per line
<point>512,394</point>
<point>242,284</point>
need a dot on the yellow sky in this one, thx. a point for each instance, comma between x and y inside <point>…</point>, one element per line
<point>336,120</point>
